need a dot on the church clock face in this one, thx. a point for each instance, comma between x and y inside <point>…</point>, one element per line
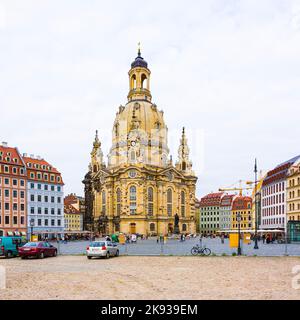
<point>133,143</point>
<point>132,173</point>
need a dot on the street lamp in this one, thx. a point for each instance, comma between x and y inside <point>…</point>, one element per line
<point>31,226</point>
<point>239,218</point>
<point>256,204</point>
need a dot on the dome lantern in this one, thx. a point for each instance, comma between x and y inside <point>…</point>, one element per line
<point>139,79</point>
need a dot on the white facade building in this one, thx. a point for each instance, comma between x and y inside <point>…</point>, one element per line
<point>45,198</point>
<point>274,197</point>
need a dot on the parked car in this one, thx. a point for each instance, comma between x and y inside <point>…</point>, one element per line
<point>9,246</point>
<point>40,250</point>
<point>102,249</point>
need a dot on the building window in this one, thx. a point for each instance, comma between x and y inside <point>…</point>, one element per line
<point>31,185</point>
<point>152,226</point>
<point>15,182</point>
<point>118,201</point>
<point>39,186</point>
<point>39,198</point>
<point>132,197</point>
<point>182,203</point>
<point>6,220</point>
<point>58,188</point>
<point>169,202</point>
<point>15,194</point>
<point>32,210</point>
<point>39,222</point>
<point>150,201</point>
<point>32,197</point>
<point>15,220</point>
<point>184,227</point>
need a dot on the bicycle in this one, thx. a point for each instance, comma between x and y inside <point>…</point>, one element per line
<point>197,249</point>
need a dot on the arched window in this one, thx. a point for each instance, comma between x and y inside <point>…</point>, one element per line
<point>103,202</point>
<point>95,168</point>
<point>183,166</point>
<point>152,226</point>
<point>118,201</point>
<point>169,202</point>
<point>132,197</point>
<point>182,203</point>
<point>150,201</point>
<point>144,80</point>
<point>184,227</point>
<point>133,82</point>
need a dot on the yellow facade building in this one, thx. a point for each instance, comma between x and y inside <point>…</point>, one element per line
<point>241,206</point>
<point>140,190</point>
<point>293,193</point>
<point>73,218</point>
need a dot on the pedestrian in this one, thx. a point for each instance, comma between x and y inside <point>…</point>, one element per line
<point>157,239</point>
<point>222,238</point>
<point>264,238</point>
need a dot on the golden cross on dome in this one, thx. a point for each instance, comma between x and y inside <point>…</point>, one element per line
<point>139,48</point>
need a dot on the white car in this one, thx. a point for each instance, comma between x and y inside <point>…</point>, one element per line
<point>102,249</point>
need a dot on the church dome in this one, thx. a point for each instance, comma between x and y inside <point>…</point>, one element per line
<point>139,126</point>
<point>139,61</point>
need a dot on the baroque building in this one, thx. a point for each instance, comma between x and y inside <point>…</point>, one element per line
<point>140,190</point>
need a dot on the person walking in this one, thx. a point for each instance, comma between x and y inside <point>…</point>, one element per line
<point>264,238</point>
<point>222,238</point>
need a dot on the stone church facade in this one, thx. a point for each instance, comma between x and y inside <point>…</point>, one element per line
<point>140,190</point>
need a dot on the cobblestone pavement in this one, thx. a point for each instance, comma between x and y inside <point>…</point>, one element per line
<point>177,248</point>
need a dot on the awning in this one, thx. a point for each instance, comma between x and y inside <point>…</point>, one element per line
<point>17,233</point>
<point>10,233</point>
<point>23,233</point>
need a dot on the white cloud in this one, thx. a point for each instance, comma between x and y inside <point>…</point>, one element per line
<point>227,69</point>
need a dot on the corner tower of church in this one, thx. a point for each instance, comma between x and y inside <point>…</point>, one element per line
<point>140,190</point>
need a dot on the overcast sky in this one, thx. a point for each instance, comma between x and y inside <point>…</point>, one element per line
<point>229,71</point>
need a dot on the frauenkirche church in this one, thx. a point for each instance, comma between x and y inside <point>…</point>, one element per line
<point>139,190</point>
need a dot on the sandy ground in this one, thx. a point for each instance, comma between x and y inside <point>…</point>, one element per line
<point>75,277</point>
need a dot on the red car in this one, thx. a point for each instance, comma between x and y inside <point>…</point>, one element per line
<point>37,249</point>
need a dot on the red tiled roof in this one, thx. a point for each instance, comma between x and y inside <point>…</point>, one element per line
<point>41,163</point>
<point>227,200</point>
<point>69,209</point>
<point>71,199</point>
<point>14,154</point>
<point>242,203</point>
<point>211,199</point>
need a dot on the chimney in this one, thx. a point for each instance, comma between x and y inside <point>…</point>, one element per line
<point>32,156</point>
<point>25,155</point>
<point>4,143</point>
<point>38,157</point>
